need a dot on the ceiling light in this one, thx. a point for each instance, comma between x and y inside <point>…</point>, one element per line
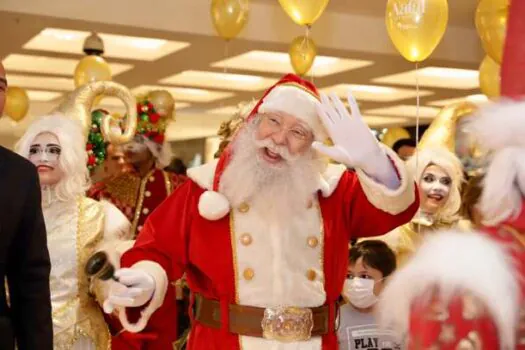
<point>374,92</point>
<point>50,83</point>
<point>478,99</point>
<point>116,104</point>
<point>438,77</point>
<point>279,62</point>
<point>229,81</point>
<point>405,111</point>
<point>185,94</point>
<point>226,110</point>
<point>52,65</point>
<point>43,96</point>
<point>375,121</point>
<point>116,46</point>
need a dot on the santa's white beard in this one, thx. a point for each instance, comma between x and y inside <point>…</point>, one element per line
<point>278,191</point>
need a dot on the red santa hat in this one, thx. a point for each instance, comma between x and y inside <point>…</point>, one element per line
<point>291,95</point>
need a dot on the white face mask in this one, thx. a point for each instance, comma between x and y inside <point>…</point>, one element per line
<point>360,292</point>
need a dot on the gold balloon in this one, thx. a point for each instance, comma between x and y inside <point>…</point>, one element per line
<point>163,102</point>
<point>229,17</point>
<point>416,26</point>
<point>91,69</point>
<point>490,77</point>
<point>302,54</point>
<point>491,23</point>
<point>442,131</point>
<point>394,134</point>
<point>78,104</point>
<point>304,12</point>
<point>16,103</point>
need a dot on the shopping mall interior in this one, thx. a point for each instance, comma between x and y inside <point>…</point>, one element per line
<point>173,45</point>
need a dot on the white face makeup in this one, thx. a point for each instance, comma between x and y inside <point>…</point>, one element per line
<point>434,189</point>
<point>44,153</point>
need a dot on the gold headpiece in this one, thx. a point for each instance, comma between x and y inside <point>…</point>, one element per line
<point>230,127</point>
<point>442,131</point>
<point>78,106</point>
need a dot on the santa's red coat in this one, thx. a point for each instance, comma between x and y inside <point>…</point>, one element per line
<point>181,240</point>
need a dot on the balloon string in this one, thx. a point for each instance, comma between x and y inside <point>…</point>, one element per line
<point>225,69</point>
<point>417,132</point>
<point>306,38</point>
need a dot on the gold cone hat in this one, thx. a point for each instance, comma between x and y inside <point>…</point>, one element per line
<point>442,131</point>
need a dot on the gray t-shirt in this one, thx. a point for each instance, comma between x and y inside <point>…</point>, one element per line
<point>358,331</point>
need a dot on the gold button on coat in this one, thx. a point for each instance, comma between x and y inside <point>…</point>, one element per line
<point>147,194</point>
<point>310,274</point>
<point>313,241</point>
<point>248,274</point>
<point>145,211</point>
<point>244,207</point>
<point>246,239</point>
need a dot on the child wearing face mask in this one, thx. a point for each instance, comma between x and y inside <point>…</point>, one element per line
<point>370,264</point>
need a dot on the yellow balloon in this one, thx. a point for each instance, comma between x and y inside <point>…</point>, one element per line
<point>491,23</point>
<point>394,134</point>
<point>416,26</point>
<point>490,77</point>
<point>302,54</point>
<point>16,103</point>
<point>91,69</point>
<point>229,17</point>
<point>304,12</point>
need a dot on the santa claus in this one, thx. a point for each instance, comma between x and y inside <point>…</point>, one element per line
<point>262,233</point>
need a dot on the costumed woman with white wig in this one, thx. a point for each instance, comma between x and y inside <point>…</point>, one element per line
<point>439,174</point>
<point>77,226</point>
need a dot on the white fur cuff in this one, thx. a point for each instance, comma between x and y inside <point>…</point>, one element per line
<point>390,201</point>
<point>161,287</point>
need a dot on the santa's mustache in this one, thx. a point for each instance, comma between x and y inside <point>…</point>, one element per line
<point>282,151</point>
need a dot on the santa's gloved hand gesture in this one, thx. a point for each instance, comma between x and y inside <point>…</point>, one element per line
<point>134,288</point>
<point>354,144</point>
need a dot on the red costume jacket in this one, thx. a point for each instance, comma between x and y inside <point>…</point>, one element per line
<point>236,260</point>
<point>137,197</point>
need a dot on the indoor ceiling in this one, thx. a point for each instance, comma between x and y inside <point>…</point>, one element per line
<point>40,48</point>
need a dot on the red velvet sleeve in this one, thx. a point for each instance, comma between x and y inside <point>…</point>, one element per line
<point>363,218</point>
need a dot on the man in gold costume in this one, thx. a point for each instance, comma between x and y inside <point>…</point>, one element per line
<point>76,226</point>
<point>139,191</point>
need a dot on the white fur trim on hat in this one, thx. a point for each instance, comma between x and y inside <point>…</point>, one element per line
<point>296,101</point>
<point>212,205</point>
<point>500,128</point>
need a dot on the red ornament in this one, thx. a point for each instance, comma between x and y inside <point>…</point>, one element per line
<point>150,106</point>
<point>154,117</point>
<point>159,138</point>
<point>89,147</point>
<point>92,160</point>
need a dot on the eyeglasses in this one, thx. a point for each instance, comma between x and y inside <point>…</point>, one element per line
<point>296,132</point>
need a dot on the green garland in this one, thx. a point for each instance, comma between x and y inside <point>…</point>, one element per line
<point>96,146</point>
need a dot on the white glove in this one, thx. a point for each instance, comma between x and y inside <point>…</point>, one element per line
<point>135,288</point>
<point>354,144</point>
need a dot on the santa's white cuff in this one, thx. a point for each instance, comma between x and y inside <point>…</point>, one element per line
<point>161,286</point>
<point>392,201</point>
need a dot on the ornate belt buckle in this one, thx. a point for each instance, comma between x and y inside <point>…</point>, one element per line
<point>287,324</point>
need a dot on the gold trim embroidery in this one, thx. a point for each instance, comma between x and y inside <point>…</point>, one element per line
<point>140,202</point>
<point>167,182</point>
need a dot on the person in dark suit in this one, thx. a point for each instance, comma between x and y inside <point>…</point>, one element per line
<point>25,313</point>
